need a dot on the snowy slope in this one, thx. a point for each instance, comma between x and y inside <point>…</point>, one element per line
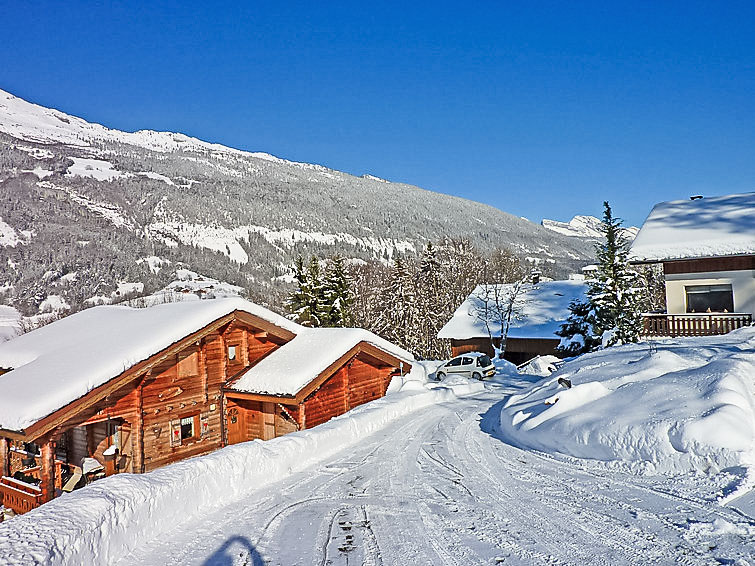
<point>218,210</point>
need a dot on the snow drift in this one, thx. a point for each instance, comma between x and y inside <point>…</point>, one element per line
<point>669,406</point>
<point>102,522</point>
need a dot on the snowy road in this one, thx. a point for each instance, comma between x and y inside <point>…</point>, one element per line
<point>435,488</point>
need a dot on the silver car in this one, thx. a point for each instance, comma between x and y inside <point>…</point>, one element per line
<point>472,364</point>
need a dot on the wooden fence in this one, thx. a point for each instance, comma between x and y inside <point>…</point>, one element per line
<point>704,324</point>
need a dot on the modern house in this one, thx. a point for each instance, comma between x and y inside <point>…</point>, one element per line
<point>707,248</point>
<point>117,389</point>
<point>539,310</point>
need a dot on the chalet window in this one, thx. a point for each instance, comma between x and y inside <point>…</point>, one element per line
<point>183,431</point>
<point>187,428</point>
<point>188,363</point>
<point>709,298</point>
<point>232,354</point>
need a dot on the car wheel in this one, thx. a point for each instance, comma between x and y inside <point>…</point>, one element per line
<point>440,375</point>
<point>477,375</point>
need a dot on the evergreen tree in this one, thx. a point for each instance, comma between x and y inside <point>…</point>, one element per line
<point>398,318</point>
<point>306,303</point>
<point>337,295</point>
<point>576,333</point>
<point>613,314</point>
<point>297,301</point>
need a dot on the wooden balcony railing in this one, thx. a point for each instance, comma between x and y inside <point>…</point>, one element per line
<point>19,496</point>
<point>702,324</point>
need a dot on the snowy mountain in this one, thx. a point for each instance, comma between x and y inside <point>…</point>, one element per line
<point>583,227</point>
<point>81,203</point>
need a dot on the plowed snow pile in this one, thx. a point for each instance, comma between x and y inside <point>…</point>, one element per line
<point>672,405</point>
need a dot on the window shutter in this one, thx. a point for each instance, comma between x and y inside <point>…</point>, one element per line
<point>204,424</point>
<point>175,433</point>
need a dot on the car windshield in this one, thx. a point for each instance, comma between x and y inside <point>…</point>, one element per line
<point>483,361</point>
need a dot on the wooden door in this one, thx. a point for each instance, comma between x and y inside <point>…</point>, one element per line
<point>235,425</point>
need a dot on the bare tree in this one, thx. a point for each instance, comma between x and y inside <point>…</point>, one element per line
<point>497,306</point>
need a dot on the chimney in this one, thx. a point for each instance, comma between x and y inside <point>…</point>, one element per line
<point>535,276</point>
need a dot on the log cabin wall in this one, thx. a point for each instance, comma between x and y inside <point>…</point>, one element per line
<point>329,401</point>
<point>181,404</point>
<point>366,381</point>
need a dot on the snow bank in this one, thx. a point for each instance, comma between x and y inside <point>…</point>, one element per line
<point>107,519</point>
<point>673,406</point>
<point>540,365</point>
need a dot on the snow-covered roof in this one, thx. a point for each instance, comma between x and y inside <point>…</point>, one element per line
<point>706,227</point>
<point>290,368</point>
<point>63,361</point>
<point>542,309</point>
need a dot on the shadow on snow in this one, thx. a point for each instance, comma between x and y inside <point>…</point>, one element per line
<point>236,551</point>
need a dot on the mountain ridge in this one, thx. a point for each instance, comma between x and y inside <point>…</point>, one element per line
<point>231,214</point>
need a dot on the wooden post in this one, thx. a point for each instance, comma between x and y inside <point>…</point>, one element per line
<point>4,457</point>
<point>302,417</point>
<point>203,368</point>
<point>223,416</point>
<point>138,432</point>
<point>47,473</point>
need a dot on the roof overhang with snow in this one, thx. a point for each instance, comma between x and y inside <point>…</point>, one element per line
<point>72,364</point>
<point>540,310</point>
<point>303,364</point>
<point>696,229</point>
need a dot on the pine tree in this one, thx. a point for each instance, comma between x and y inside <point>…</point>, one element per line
<point>576,333</point>
<point>337,295</point>
<point>306,303</point>
<point>432,307</point>
<point>397,318</point>
<point>612,315</point>
<point>614,291</point>
<point>297,302</point>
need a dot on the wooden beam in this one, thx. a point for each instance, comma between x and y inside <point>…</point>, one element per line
<point>4,456</point>
<point>285,399</point>
<point>265,326</point>
<point>47,473</point>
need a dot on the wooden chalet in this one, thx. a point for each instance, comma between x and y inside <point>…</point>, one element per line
<point>114,389</point>
<point>538,312</point>
<point>707,248</point>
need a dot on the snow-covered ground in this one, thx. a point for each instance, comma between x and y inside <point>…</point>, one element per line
<point>428,478</point>
<point>668,406</point>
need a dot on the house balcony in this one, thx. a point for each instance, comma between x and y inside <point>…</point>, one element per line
<point>693,324</point>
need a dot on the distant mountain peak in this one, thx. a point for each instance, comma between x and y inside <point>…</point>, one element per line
<point>583,226</point>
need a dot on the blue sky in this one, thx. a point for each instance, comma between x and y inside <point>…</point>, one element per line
<point>543,110</point>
